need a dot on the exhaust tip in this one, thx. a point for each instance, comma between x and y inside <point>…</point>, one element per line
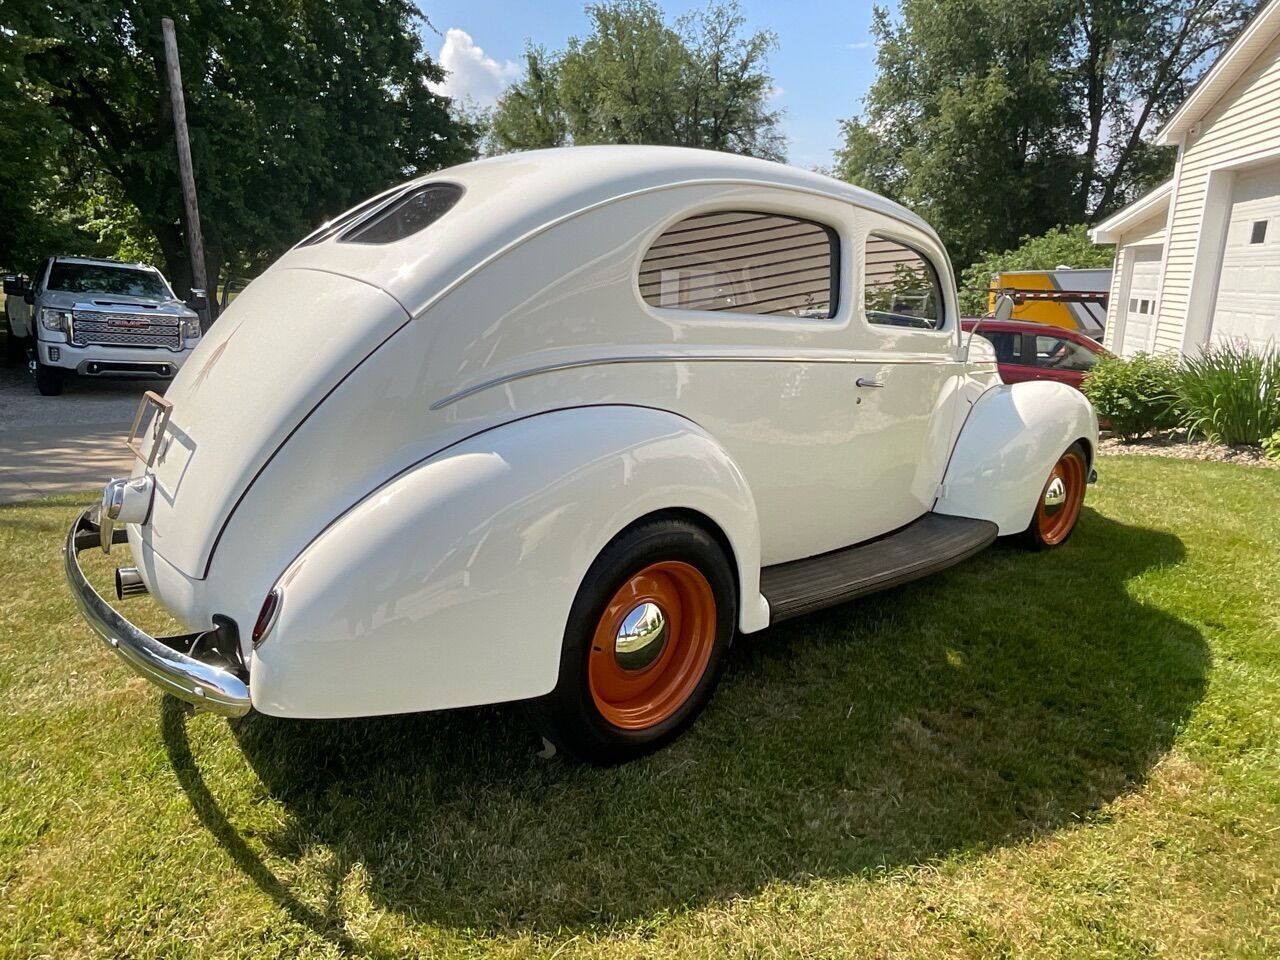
<point>129,583</point>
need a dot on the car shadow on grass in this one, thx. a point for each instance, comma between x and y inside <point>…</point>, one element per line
<point>1009,697</point>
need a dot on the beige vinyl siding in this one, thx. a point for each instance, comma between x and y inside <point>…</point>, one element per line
<point>1246,120</point>
<point>1148,232</point>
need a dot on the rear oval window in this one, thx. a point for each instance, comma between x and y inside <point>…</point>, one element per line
<point>407,215</point>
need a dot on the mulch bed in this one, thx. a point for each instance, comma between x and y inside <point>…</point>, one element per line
<point>1177,445</point>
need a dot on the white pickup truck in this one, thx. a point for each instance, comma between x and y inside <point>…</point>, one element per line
<point>104,318</point>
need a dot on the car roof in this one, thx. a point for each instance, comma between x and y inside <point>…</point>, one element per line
<point>513,196</point>
<point>1027,326</point>
<point>612,170</point>
<point>103,262</point>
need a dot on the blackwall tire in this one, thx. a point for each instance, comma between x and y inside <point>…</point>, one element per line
<point>48,380</point>
<point>644,644</point>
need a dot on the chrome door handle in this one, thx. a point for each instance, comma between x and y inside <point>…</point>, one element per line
<point>864,382</point>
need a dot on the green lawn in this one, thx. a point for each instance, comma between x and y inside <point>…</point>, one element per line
<point>1060,755</point>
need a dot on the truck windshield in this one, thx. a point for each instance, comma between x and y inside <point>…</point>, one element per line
<point>100,278</point>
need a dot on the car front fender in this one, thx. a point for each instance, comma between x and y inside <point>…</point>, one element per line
<point>1009,442</point>
<point>451,584</point>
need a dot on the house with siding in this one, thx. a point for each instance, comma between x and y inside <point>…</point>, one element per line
<point>1198,258</point>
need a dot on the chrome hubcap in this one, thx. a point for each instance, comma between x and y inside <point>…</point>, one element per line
<point>1055,495</point>
<point>641,637</point>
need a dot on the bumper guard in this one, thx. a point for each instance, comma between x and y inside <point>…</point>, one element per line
<point>195,667</point>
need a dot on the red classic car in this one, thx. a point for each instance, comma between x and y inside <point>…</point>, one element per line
<point>1037,351</point>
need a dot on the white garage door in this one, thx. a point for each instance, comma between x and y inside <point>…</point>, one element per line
<point>1249,286</point>
<point>1140,310</point>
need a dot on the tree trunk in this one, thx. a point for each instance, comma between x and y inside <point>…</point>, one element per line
<point>177,262</point>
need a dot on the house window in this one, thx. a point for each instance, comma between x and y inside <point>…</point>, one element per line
<point>900,286</point>
<point>1259,233</point>
<point>744,262</point>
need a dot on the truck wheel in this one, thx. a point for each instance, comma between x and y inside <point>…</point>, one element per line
<point>15,347</point>
<point>1058,508</point>
<point>643,646</point>
<point>48,380</point>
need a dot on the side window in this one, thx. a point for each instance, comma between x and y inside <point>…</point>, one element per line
<point>743,262</point>
<point>1055,353</point>
<point>1008,345</point>
<point>900,286</point>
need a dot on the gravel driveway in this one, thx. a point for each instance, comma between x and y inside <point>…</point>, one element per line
<point>63,444</point>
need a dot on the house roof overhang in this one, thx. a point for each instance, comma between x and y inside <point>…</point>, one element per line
<point>1230,66</point>
<point>1144,208</point>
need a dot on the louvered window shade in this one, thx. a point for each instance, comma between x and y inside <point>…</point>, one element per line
<point>741,262</point>
<point>900,286</point>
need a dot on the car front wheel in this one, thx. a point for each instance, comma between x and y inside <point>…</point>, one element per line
<point>1058,508</point>
<point>643,645</point>
<point>48,380</point>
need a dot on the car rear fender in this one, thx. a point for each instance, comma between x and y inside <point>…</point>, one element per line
<point>451,584</point>
<point>1009,442</point>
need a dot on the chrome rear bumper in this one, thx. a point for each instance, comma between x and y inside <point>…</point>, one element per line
<point>188,667</point>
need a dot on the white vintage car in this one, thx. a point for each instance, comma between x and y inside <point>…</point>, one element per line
<point>551,427</point>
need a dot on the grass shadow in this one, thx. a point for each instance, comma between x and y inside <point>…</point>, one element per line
<point>1011,696</point>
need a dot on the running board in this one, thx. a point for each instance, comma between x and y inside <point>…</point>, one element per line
<point>924,546</point>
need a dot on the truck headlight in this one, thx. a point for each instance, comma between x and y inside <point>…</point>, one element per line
<point>56,320</point>
<point>190,328</point>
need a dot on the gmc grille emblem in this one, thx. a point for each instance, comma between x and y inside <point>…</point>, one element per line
<point>128,324</point>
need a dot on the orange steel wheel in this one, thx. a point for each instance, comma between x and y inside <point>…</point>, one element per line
<point>1061,498</point>
<point>652,645</point>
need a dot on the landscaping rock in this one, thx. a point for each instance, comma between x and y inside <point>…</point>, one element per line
<point>1177,446</point>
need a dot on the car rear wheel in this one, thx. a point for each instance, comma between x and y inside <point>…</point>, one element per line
<point>48,380</point>
<point>1058,508</point>
<point>643,645</point>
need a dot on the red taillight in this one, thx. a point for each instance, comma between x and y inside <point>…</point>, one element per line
<point>266,617</point>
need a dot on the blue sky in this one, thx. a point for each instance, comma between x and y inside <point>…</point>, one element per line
<point>821,70</point>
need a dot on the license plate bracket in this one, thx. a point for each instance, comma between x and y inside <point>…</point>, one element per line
<point>151,418</point>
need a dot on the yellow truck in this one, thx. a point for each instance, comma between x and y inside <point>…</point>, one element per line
<point>1063,297</point>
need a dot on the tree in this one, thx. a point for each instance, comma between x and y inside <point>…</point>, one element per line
<point>701,82</point>
<point>1059,247</point>
<point>529,115</point>
<point>295,111</point>
<point>997,119</point>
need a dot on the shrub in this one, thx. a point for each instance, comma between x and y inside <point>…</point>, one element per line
<point>1138,396</point>
<point>1271,446</point>
<point>1230,393</point>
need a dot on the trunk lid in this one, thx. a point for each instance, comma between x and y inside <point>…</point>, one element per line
<point>280,348</point>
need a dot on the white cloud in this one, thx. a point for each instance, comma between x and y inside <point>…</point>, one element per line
<point>472,73</point>
<point>774,92</point>
<point>861,45</point>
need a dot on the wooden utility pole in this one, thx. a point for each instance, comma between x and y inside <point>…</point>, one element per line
<point>195,240</point>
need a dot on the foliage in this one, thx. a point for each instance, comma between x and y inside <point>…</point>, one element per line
<point>295,112</point>
<point>1061,756</point>
<point>1059,247</point>
<point>699,82</point>
<point>1138,396</point>
<point>1271,446</point>
<point>529,115</point>
<point>1230,393</point>
<point>997,119</point>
